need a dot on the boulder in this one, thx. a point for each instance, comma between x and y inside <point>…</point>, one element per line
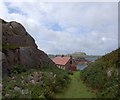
<point>25,91</point>
<point>17,89</point>
<point>36,76</point>
<point>32,81</point>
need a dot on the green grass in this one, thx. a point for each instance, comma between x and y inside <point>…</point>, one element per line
<point>76,89</point>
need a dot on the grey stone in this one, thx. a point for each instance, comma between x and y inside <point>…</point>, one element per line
<point>7,95</point>
<point>25,91</point>
<point>22,77</point>
<point>32,81</point>
<point>35,76</point>
<point>30,78</point>
<point>55,76</point>
<point>17,89</point>
<point>13,78</point>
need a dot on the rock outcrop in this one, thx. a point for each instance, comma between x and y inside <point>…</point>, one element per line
<point>19,48</point>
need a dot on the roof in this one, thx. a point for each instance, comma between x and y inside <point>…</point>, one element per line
<point>61,60</point>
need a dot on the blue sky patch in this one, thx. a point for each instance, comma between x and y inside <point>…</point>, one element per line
<point>14,10</point>
<point>54,26</point>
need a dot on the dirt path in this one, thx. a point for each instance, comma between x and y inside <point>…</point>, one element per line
<point>76,89</point>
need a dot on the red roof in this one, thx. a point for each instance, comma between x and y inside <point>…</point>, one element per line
<point>61,60</point>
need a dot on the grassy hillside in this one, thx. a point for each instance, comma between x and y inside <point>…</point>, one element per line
<point>102,75</point>
<point>35,83</point>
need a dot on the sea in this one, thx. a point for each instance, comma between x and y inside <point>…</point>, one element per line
<point>83,66</point>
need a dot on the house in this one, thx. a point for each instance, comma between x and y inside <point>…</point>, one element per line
<point>64,63</point>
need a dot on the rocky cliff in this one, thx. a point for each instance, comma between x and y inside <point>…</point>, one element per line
<point>19,48</point>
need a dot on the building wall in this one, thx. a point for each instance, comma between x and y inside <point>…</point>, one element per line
<point>61,67</point>
<point>67,66</point>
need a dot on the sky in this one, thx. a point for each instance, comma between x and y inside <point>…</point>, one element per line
<point>67,27</point>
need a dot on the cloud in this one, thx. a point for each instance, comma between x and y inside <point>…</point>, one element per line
<point>67,27</point>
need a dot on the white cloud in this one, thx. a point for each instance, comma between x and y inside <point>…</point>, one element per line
<point>89,27</point>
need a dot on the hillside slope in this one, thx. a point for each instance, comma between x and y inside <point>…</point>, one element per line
<point>102,75</point>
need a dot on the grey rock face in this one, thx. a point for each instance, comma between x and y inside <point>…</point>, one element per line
<point>19,48</point>
<point>1,65</point>
<point>4,65</point>
<point>0,87</point>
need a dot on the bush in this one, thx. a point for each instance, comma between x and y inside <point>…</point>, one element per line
<point>17,69</point>
<point>70,72</point>
<point>54,80</point>
<point>96,76</point>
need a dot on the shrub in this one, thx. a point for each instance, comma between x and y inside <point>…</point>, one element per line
<point>17,69</point>
<point>95,76</point>
<point>53,78</point>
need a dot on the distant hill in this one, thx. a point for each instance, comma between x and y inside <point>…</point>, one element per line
<point>102,75</point>
<point>51,56</point>
<point>74,55</point>
<point>77,54</point>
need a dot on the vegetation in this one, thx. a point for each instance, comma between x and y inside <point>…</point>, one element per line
<point>17,69</point>
<point>35,83</point>
<point>6,47</point>
<point>77,54</point>
<point>76,89</point>
<point>102,76</point>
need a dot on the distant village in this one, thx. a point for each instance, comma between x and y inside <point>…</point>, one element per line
<point>68,62</point>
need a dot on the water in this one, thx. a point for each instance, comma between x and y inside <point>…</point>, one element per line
<point>91,58</point>
<point>83,66</point>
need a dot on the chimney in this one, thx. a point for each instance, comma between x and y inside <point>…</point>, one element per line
<point>71,60</point>
<point>70,56</point>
